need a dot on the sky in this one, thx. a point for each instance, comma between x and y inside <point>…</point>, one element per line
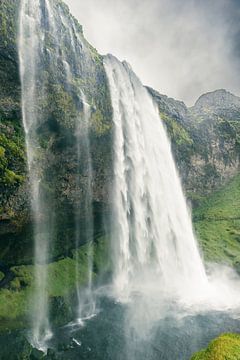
<point>182,48</point>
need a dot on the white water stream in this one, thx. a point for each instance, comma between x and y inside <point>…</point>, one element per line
<point>31,41</point>
<point>43,37</point>
<point>153,237</point>
<point>155,252</point>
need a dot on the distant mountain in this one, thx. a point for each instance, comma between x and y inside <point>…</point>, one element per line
<point>220,102</point>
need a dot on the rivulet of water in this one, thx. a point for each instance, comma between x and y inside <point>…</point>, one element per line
<point>51,49</point>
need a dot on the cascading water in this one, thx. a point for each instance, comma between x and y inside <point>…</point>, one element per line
<point>153,240</point>
<point>47,44</point>
<point>83,209</point>
<point>31,40</point>
<point>83,229</point>
<point>86,303</point>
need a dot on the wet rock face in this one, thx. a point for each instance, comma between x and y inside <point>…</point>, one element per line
<point>220,102</point>
<point>65,51</point>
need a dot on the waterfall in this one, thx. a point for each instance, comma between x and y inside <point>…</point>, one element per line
<point>86,303</point>
<point>52,49</point>
<point>31,40</point>
<point>152,236</point>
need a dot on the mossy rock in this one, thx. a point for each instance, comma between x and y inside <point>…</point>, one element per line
<point>225,347</point>
<point>15,300</point>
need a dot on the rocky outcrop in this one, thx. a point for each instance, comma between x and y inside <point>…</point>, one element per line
<point>205,139</point>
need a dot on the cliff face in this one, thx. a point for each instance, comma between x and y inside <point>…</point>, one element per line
<point>59,105</point>
<point>205,138</point>
<point>13,192</point>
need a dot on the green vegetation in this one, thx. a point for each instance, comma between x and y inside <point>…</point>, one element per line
<point>61,106</point>
<point>181,139</point>
<point>176,131</point>
<point>11,159</point>
<point>217,223</point>
<point>7,21</point>
<point>14,300</point>
<point>225,347</point>
<point>98,125</point>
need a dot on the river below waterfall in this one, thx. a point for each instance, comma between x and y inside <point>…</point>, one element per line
<point>112,335</point>
<point>107,335</point>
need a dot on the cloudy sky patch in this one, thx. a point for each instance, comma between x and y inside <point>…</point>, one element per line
<point>182,48</point>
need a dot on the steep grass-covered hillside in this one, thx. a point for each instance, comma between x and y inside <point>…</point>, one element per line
<point>217,223</point>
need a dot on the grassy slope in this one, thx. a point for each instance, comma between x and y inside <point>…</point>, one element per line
<point>217,224</point>
<point>225,347</point>
<point>15,300</point>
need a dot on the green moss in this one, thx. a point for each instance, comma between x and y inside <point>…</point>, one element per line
<point>1,275</point>
<point>97,123</point>
<point>62,274</point>
<point>225,347</point>
<point>61,106</point>
<point>15,300</point>
<point>3,159</point>
<point>14,147</point>
<point>12,178</point>
<point>7,21</point>
<point>178,134</point>
<point>223,204</point>
<point>217,224</point>
<point>11,159</point>
<point>13,303</point>
<point>102,260</point>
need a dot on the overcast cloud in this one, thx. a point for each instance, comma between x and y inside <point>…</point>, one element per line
<point>182,48</point>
